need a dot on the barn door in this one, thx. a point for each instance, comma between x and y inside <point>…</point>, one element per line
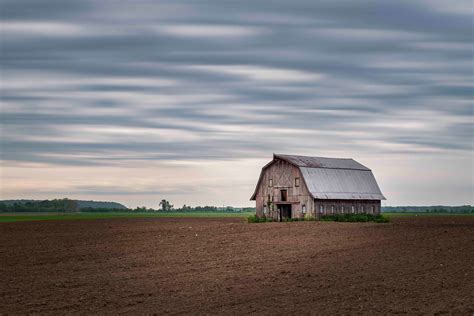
<point>285,211</point>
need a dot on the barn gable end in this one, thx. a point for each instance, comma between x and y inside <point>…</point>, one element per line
<point>278,176</point>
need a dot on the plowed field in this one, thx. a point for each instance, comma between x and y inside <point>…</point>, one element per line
<point>208,266</point>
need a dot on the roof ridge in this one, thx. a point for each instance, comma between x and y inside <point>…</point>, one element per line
<point>337,168</point>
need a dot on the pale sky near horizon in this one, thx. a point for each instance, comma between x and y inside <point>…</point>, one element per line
<point>136,101</point>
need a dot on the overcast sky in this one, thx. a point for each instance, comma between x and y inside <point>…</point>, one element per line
<point>135,101</point>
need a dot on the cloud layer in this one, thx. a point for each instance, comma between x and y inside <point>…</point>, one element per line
<point>130,88</point>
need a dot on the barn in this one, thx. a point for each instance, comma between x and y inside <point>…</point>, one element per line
<point>292,186</point>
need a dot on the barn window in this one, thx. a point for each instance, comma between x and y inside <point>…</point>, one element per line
<point>284,195</point>
<point>321,209</point>
<point>270,182</point>
<point>332,209</point>
<point>303,209</point>
<point>372,209</point>
<point>362,209</point>
<point>264,209</point>
<point>342,209</point>
<point>352,208</point>
<point>297,182</point>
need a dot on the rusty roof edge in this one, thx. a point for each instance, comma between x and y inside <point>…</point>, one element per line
<point>380,197</point>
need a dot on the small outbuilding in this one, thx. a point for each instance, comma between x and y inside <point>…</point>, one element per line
<point>299,186</point>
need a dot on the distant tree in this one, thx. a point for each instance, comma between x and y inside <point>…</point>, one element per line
<point>165,205</point>
<point>70,205</point>
<point>141,209</point>
<point>186,208</point>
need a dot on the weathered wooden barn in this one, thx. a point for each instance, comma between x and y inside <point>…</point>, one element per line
<point>298,186</point>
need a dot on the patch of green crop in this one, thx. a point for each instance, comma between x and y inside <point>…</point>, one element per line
<point>355,218</point>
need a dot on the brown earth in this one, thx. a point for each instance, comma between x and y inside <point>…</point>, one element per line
<point>219,266</point>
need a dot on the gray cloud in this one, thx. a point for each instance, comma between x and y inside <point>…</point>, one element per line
<point>107,82</point>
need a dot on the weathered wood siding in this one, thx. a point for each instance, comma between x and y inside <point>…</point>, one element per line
<point>283,177</point>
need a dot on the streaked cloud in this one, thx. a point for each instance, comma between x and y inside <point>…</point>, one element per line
<point>14,29</point>
<point>188,100</point>
<point>265,74</point>
<point>208,31</point>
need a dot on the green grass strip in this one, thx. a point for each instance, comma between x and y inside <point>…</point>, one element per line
<point>19,217</point>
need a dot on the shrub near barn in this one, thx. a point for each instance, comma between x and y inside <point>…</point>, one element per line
<point>355,218</point>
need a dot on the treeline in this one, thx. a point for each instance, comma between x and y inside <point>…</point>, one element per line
<point>428,209</point>
<point>57,205</point>
<point>197,209</point>
<point>67,205</point>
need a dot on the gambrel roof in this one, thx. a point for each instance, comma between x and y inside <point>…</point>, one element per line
<point>332,178</point>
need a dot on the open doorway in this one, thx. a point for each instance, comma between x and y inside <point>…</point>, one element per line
<point>285,211</point>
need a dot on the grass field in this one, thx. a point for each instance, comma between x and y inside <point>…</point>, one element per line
<point>24,217</point>
<point>397,214</point>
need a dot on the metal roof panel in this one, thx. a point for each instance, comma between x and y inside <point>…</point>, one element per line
<point>350,184</point>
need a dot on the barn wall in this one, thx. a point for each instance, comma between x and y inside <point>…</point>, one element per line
<point>360,206</point>
<point>283,175</point>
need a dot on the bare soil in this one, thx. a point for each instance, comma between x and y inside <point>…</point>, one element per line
<point>414,265</point>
